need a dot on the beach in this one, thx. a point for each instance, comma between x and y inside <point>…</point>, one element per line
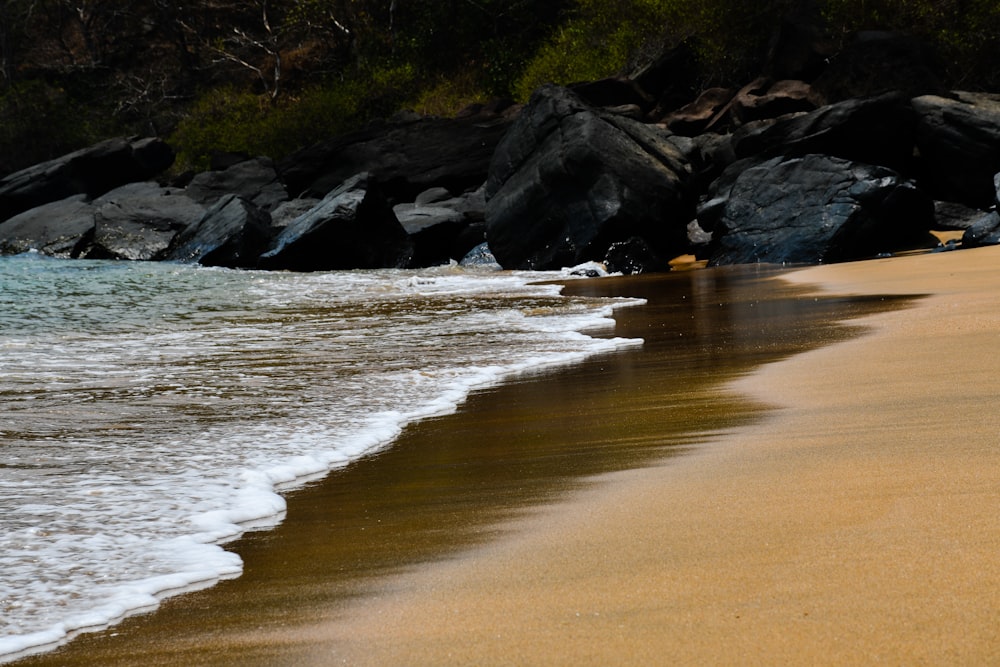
<point>828,497</point>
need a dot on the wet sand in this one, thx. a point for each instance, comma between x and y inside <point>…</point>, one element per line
<point>858,524</point>
<point>629,511</point>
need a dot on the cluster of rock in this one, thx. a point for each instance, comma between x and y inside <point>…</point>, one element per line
<point>617,171</point>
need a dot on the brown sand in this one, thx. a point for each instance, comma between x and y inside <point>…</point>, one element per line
<point>858,525</point>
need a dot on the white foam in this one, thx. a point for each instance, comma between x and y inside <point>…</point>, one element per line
<point>204,393</point>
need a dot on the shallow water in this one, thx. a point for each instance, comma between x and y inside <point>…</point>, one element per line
<point>150,412</point>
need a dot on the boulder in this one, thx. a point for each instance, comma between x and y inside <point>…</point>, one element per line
<point>59,229</point>
<point>255,180</point>
<point>813,209</point>
<point>480,257</point>
<point>632,257</point>
<point>959,143</point>
<point>287,211</point>
<point>878,130</point>
<point>353,227</point>
<point>232,233</point>
<point>405,157</point>
<point>91,171</point>
<point>984,231</point>
<point>568,181</point>
<point>139,221</point>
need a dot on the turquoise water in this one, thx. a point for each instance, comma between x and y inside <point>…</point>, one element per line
<point>151,412</point>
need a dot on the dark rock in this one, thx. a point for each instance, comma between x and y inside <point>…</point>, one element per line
<point>813,209</point>
<point>353,227</point>
<point>91,171</point>
<point>59,229</point>
<point>287,211</point>
<point>983,232</point>
<point>878,62</point>
<point>403,158</point>
<point>632,257</point>
<point>139,221</point>
<point>480,257</point>
<point>959,144</point>
<point>254,179</point>
<point>232,233</point>
<point>568,181</point>
<point>439,225</point>
<point>952,216</point>
<point>879,130</point>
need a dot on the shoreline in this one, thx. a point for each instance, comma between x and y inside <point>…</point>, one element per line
<point>857,523</point>
<point>284,610</point>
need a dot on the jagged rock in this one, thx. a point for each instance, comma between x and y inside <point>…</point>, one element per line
<point>353,227</point>
<point>959,143</point>
<point>232,233</point>
<point>443,228</point>
<point>404,158</point>
<point>59,229</point>
<point>91,171</point>
<point>878,130</point>
<point>813,209</point>
<point>139,221</point>
<point>253,179</point>
<point>481,257</point>
<point>568,181</point>
<point>953,216</point>
<point>762,99</point>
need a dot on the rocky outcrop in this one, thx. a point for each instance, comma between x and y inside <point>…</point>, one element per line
<point>568,181</point>
<point>91,171</point>
<point>812,209</point>
<point>353,227</point>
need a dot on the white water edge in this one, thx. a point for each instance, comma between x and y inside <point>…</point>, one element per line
<point>154,412</point>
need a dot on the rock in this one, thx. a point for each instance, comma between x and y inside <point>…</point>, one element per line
<point>287,211</point>
<point>481,257</point>
<point>404,158</point>
<point>693,119</point>
<point>763,99</point>
<point>813,209</point>
<point>139,221</point>
<point>91,171</point>
<point>353,227</point>
<point>58,229</point>
<point>632,257</point>
<point>232,233</point>
<point>959,143</point>
<point>952,216</point>
<point>568,181</point>
<point>983,232</point>
<point>255,180</point>
<point>879,130</point>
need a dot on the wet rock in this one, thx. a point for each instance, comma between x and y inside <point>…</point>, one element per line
<point>232,233</point>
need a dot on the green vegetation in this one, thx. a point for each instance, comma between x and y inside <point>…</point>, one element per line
<point>270,76</point>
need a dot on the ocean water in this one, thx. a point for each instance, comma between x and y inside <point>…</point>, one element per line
<point>151,412</point>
